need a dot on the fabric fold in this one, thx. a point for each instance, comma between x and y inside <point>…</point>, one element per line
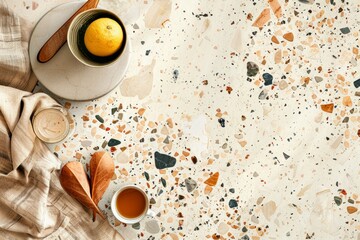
<point>33,203</point>
<point>25,187</point>
<point>14,65</point>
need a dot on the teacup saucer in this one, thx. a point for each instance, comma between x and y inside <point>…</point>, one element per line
<point>64,75</point>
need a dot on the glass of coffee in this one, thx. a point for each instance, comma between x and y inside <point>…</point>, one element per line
<point>52,124</point>
<point>130,204</point>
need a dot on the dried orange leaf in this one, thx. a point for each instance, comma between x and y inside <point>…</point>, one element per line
<point>101,172</point>
<point>75,182</point>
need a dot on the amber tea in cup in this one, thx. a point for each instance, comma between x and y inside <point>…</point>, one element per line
<point>130,204</point>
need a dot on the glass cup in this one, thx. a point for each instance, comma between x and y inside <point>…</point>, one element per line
<point>121,208</point>
<point>53,124</point>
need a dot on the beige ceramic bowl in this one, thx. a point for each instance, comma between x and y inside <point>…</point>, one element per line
<point>75,38</point>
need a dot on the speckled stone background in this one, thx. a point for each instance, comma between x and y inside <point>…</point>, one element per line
<point>256,101</point>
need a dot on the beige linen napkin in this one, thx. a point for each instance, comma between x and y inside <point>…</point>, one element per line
<point>14,61</point>
<point>33,203</point>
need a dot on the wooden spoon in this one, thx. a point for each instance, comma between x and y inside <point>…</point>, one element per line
<point>57,40</point>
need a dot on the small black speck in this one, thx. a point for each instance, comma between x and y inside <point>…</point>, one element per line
<point>136,226</point>
<point>198,16</point>
<point>222,122</point>
<point>246,237</point>
<point>163,182</point>
<point>175,74</point>
<point>233,203</point>
<point>286,156</point>
<point>357,83</point>
<point>113,142</point>
<point>268,78</point>
<point>100,119</point>
<point>146,176</point>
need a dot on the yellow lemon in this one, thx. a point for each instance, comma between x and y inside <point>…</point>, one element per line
<point>103,37</point>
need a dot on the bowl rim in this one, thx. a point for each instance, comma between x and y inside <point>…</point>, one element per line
<point>71,26</point>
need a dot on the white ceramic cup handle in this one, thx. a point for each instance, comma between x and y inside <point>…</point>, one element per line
<point>150,213</point>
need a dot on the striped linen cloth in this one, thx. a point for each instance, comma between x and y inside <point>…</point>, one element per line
<point>15,68</point>
<point>32,201</point>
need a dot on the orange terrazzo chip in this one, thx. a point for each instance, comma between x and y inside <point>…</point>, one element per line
<point>229,89</point>
<point>186,154</point>
<point>328,107</point>
<point>212,180</point>
<point>275,40</point>
<point>278,56</point>
<point>347,101</point>
<point>117,223</point>
<point>67,105</point>
<point>263,18</point>
<point>170,123</point>
<point>141,111</point>
<point>207,190</point>
<point>275,7</point>
<point>351,209</point>
<point>289,36</point>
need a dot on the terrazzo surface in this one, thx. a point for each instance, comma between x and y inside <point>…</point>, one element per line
<point>240,119</point>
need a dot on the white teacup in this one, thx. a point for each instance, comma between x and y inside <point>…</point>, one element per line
<point>123,205</point>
